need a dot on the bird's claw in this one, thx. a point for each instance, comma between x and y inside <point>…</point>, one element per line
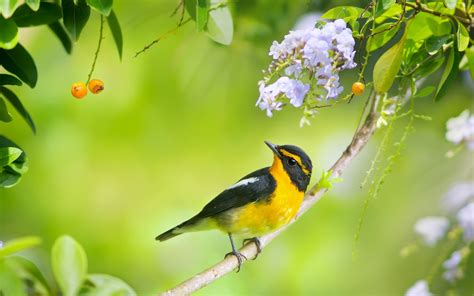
<point>257,243</point>
<point>240,258</point>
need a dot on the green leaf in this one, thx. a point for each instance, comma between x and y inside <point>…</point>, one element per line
<point>470,60</point>
<point>342,12</point>
<point>7,7</point>
<point>220,27</point>
<point>105,285</point>
<point>388,65</point>
<point>75,16</point>
<point>6,79</point>
<point>19,62</point>
<point>48,13</point>
<point>8,33</point>
<point>116,32</point>
<point>386,4</point>
<point>69,264</point>
<point>15,101</point>
<point>9,155</point>
<point>19,244</point>
<point>28,271</point>
<point>10,283</point>
<point>425,92</point>
<point>451,4</point>
<point>4,114</point>
<point>102,6</point>
<point>9,179</point>
<point>449,73</point>
<point>33,4</point>
<point>462,37</point>
<point>380,39</point>
<point>63,36</point>
<point>202,13</point>
<point>434,43</point>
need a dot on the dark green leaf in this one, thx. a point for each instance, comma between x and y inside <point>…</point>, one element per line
<point>462,37</point>
<point>19,244</point>
<point>7,7</point>
<point>19,62</point>
<point>380,39</point>
<point>27,270</point>
<point>8,33</point>
<point>449,73</point>
<point>220,26</point>
<point>48,13</point>
<point>388,65</point>
<point>202,12</point>
<point>6,79</point>
<point>9,179</point>
<point>9,155</point>
<point>15,101</point>
<point>102,6</point>
<point>33,4</point>
<point>62,35</point>
<point>434,43</point>
<point>429,67</point>
<point>451,4</point>
<point>4,114</point>
<point>75,16</point>
<point>10,283</point>
<point>103,284</point>
<point>69,264</point>
<point>116,31</point>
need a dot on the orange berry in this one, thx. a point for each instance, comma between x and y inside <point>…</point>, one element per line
<point>96,86</point>
<point>358,88</point>
<point>79,90</point>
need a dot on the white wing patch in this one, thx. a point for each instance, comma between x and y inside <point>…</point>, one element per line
<point>244,182</point>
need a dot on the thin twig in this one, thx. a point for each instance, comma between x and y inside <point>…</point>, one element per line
<point>359,140</point>
<point>101,34</point>
<point>420,7</point>
<point>161,37</point>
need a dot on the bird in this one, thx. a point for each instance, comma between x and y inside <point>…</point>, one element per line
<point>257,204</point>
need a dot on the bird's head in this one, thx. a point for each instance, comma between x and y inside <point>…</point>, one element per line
<point>294,162</point>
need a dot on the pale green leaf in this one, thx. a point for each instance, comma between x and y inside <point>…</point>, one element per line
<point>69,264</point>
<point>388,65</point>
<point>462,37</point>
<point>7,7</point>
<point>33,4</point>
<point>105,285</point>
<point>220,26</point>
<point>19,244</point>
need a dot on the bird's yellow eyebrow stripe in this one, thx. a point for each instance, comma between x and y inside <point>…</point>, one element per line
<point>295,157</point>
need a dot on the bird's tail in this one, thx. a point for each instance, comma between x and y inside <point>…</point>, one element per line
<point>196,223</point>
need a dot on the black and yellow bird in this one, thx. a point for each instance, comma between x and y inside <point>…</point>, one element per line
<point>259,203</point>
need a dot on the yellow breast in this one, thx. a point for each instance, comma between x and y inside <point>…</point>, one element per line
<point>266,216</point>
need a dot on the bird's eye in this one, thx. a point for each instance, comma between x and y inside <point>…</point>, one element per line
<point>291,161</point>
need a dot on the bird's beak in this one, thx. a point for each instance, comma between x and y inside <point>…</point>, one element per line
<point>274,148</point>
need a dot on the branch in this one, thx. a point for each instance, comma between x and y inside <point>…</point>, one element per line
<point>360,139</point>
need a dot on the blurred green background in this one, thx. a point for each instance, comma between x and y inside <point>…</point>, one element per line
<point>177,125</point>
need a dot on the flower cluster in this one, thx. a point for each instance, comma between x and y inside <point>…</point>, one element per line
<point>461,129</point>
<point>458,203</point>
<point>420,288</point>
<point>307,63</point>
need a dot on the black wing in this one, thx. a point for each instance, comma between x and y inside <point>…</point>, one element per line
<point>241,195</point>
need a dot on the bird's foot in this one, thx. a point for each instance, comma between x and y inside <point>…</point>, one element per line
<point>257,243</point>
<point>240,258</point>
